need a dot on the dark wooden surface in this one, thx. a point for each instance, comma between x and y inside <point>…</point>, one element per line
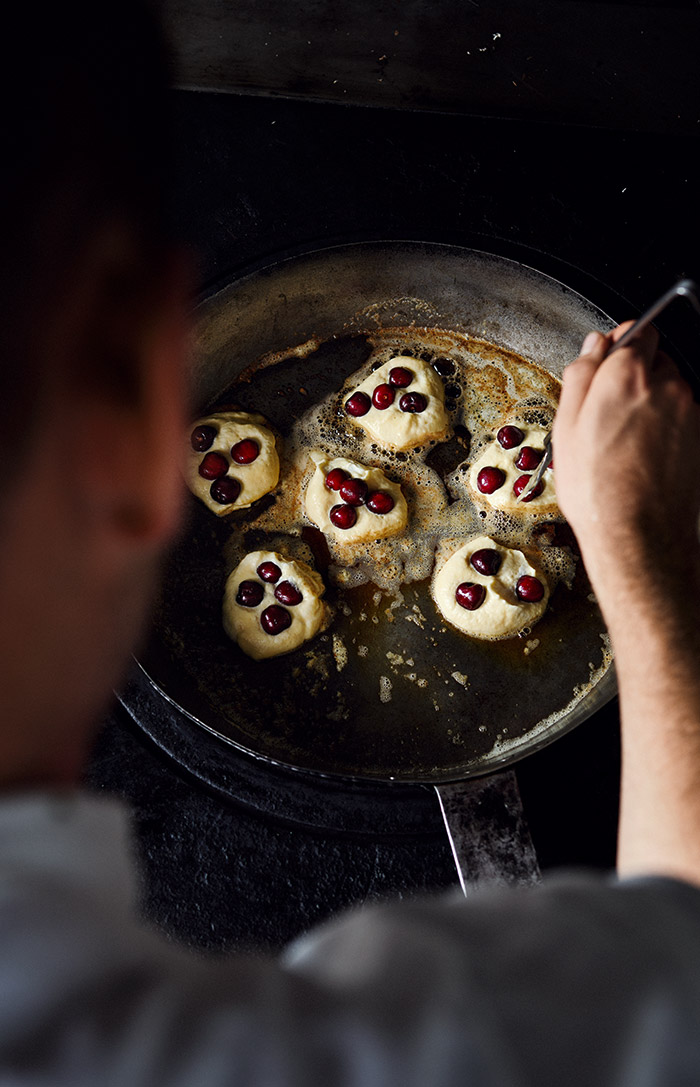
<point>630,64</point>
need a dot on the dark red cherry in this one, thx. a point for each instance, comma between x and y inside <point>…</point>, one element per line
<point>250,593</point>
<point>354,491</point>
<point>342,516</point>
<point>245,451</point>
<point>213,466</point>
<point>358,404</point>
<point>510,436</point>
<point>529,458</point>
<point>269,571</point>
<point>335,479</point>
<point>486,560</point>
<point>383,397</point>
<point>225,491</point>
<point>470,596</point>
<point>288,594</point>
<point>202,437</point>
<point>529,589</point>
<point>400,377</point>
<point>380,502</point>
<point>275,619</point>
<point>413,402</point>
<point>520,485</point>
<point>490,479</point>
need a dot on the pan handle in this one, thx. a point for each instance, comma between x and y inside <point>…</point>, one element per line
<point>488,833</point>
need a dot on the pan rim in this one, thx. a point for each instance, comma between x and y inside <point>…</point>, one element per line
<point>566,723</point>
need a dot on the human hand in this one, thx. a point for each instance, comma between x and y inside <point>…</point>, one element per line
<point>626,441</point>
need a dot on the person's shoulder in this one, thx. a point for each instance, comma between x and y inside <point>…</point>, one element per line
<point>543,913</point>
<point>57,845</point>
<point>534,971</point>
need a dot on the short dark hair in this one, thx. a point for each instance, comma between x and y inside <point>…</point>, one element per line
<point>85,134</point>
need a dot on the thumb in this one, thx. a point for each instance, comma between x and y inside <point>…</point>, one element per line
<point>579,375</point>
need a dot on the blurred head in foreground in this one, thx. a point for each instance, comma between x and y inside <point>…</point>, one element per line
<point>92,337</point>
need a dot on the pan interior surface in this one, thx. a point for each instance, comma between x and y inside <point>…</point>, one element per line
<point>389,691</point>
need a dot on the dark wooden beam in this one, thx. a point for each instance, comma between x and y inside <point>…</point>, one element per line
<point>630,65</point>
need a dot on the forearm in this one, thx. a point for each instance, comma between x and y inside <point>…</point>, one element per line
<point>627,451</point>
<point>657,651</point>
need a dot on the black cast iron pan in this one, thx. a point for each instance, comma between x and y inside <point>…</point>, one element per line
<point>457,708</point>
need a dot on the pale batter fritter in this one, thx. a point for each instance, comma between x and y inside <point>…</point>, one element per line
<point>501,613</point>
<point>244,620</point>
<point>397,426</point>
<point>249,480</point>
<point>319,500</point>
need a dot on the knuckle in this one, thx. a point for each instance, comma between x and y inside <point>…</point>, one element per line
<point>578,371</point>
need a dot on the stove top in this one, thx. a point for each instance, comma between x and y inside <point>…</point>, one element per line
<point>235,855</point>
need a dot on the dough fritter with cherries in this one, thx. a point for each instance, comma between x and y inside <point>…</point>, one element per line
<point>353,503</point>
<point>503,469</point>
<point>232,460</point>
<point>401,404</point>
<point>273,604</point>
<point>490,591</point>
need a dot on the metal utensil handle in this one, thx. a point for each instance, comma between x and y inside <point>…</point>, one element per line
<point>685,288</point>
<point>488,832</point>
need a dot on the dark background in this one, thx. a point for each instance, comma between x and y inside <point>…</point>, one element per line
<point>590,174</point>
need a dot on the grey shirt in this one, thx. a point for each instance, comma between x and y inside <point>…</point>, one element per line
<point>578,981</point>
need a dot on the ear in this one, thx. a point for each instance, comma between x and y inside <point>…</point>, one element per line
<point>154,480</point>
<point>127,449</point>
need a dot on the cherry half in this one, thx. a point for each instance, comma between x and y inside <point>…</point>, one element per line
<point>275,619</point>
<point>250,593</point>
<point>529,458</point>
<point>510,436</point>
<point>529,589</point>
<point>335,479</point>
<point>520,485</point>
<point>269,571</point>
<point>353,491</point>
<point>400,377</point>
<point>469,595</point>
<point>358,404</point>
<point>380,502</point>
<point>413,403</point>
<point>342,516</point>
<point>202,437</point>
<point>288,594</point>
<point>383,397</point>
<point>213,466</point>
<point>225,491</point>
<point>245,451</point>
<point>490,479</point>
<point>486,560</point>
